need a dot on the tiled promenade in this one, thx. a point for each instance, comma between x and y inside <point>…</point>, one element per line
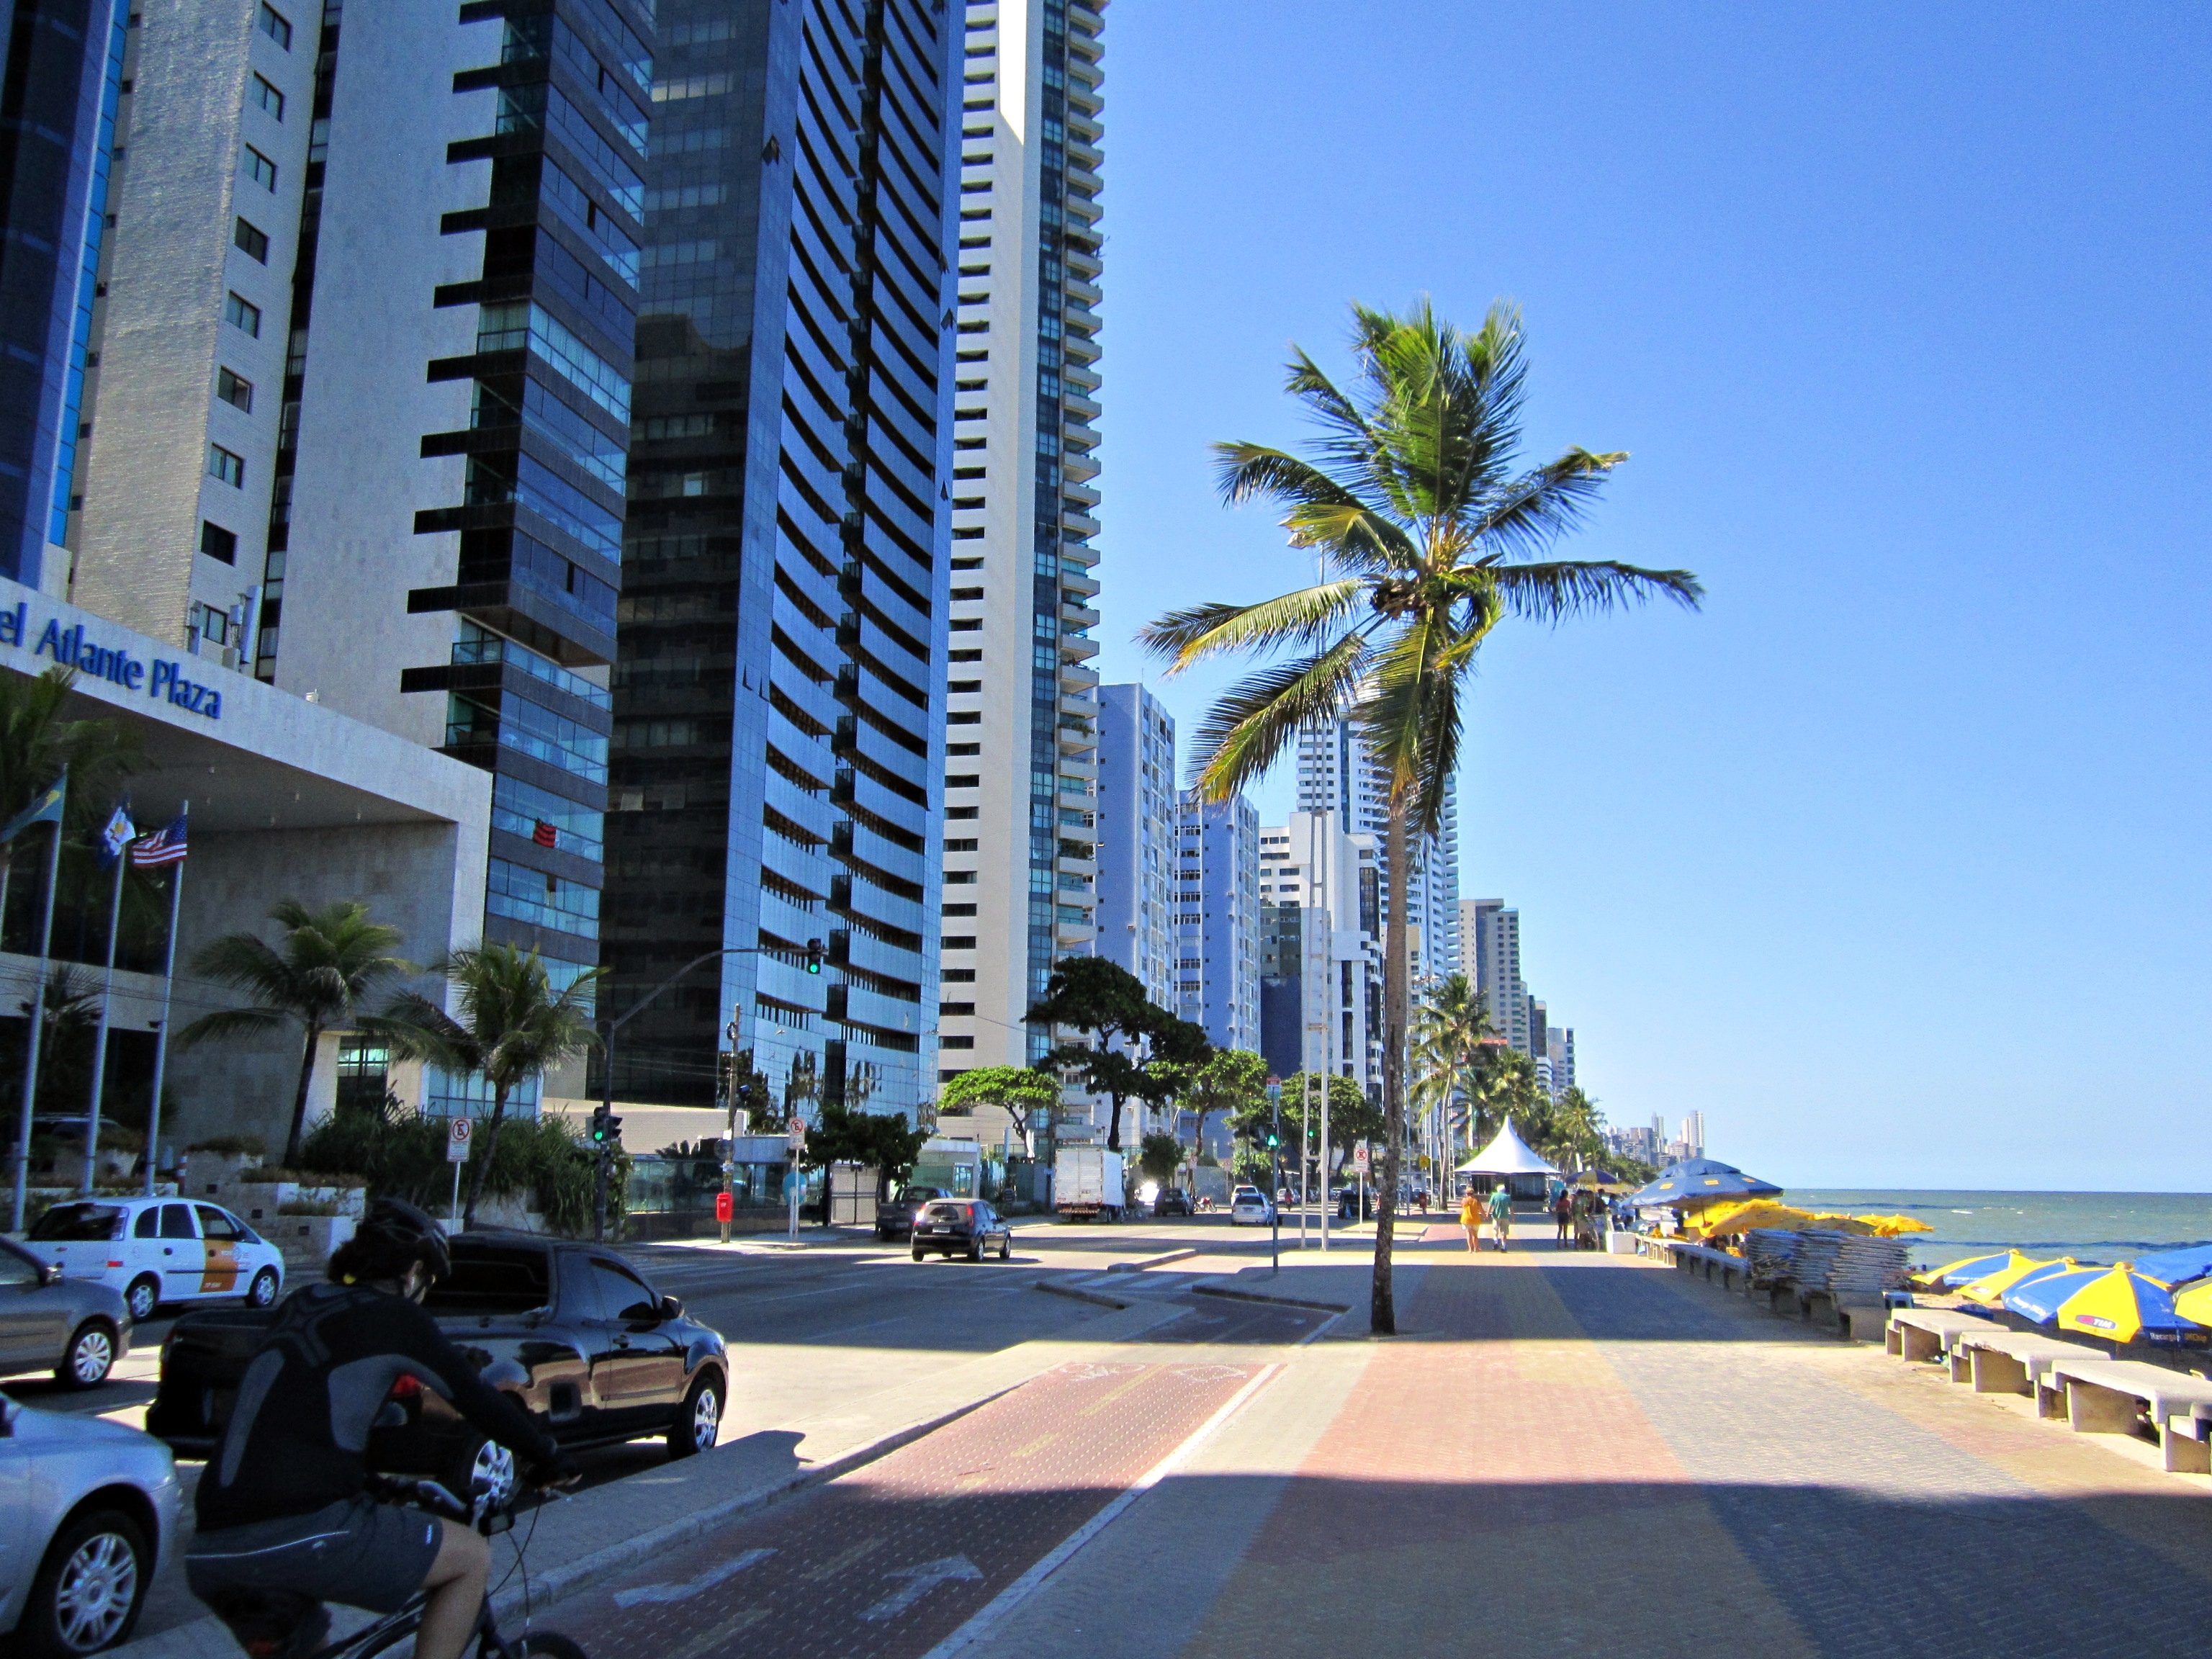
<point>1579,1454</point>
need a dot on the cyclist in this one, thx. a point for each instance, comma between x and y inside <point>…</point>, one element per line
<point>284,1517</point>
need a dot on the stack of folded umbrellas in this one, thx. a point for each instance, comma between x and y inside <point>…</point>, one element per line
<point>1848,1266</point>
<point>1772,1252</point>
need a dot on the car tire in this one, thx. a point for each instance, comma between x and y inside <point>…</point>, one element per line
<point>477,1455</point>
<point>143,1297</point>
<point>699,1421</point>
<point>1007,1248</point>
<point>884,1235</point>
<point>89,1588</point>
<point>262,1293</point>
<point>89,1357</point>
<point>975,1250</point>
<point>917,1253</point>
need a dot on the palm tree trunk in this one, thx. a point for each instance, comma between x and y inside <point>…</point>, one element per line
<point>477,1175</point>
<point>300,1098</point>
<point>1382,1311</point>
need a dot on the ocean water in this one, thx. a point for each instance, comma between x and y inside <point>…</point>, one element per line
<point>2098,1227</point>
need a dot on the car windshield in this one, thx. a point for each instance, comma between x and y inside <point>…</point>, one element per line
<point>493,1278</point>
<point>73,1223</point>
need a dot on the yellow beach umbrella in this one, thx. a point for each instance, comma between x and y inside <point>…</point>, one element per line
<point>1990,1291</point>
<point>1721,1219</point>
<point>1891,1226</point>
<point>2195,1302</point>
<point>1973,1267</point>
<point>2126,1306</point>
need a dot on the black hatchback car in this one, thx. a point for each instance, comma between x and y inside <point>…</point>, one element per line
<point>961,1226</point>
<point>574,1332</point>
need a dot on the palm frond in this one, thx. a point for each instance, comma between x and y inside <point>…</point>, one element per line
<point>1556,590</point>
<point>1248,726</point>
<point>1302,618</point>
<point>231,1022</point>
<point>1522,517</point>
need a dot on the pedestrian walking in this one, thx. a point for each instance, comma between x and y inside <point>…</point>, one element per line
<point>1470,1217</point>
<point>1501,1215</point>
<point>1563,1216</point>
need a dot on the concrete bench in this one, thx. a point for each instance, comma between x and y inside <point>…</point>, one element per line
<point>1999,1360</point>
<point>2120,1396</point>
<point>1709,1263</point>
<point>1920,1335</point>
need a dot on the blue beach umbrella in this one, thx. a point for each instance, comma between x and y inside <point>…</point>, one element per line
<point>2172,1268</point>
<point>1674,1187</point>
<point>2122,1305</point>
<point>2040,1295</point>
<point>1966,1272</point>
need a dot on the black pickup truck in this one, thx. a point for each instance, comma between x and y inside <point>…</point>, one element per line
<point>895,1216</point>
<point>574,1332</point>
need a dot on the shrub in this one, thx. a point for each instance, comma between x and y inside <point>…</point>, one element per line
<point>403,1155</point>
<point>311,1206</point>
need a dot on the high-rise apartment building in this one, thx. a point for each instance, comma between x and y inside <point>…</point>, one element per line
<point>1140,909</point>
<point>780,690</point>
<point>358,388</point>
<point>1338,773</point>
<point>1560,1046</point>
<point>61,84</point>
<point>1490,955</point>
<point>1216,914</point>
<point>1022,742</point>
<point>1321,988</point>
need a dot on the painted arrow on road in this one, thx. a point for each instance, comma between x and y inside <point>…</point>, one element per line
<point>920,1581</point>
<point>705,1580</point>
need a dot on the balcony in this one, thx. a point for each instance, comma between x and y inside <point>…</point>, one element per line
<point>1078,646</point>
<point>1086,293</point>
<point>1078,615</point>
<point>1080,411</point>
<point>1074,677</point>
<point>1087,868</point>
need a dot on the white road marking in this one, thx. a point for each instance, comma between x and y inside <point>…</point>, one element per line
<point>705,1580</point>
<point>920,1581</point>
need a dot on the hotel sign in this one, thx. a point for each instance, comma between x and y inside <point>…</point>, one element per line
<point>72,647</point>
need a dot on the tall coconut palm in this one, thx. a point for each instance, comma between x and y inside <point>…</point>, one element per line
<point>509,1026</point>
<point>1449,1029</point>
<point>1429,534</point>
<point>328,963</point>
<point>38,743</point>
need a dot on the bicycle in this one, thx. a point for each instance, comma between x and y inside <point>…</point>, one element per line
<point>279,1624</point>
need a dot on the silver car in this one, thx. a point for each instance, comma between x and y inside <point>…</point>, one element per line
<point>86,1509</point>
<point>77,1328</point>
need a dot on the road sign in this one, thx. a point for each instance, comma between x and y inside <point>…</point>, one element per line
<point>1274,1092</point>
<point>795,1132</point>
<point>1360,1158</point>
<point>458,1131</point>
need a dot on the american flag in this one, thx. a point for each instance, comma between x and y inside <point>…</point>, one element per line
<point>164,846</point>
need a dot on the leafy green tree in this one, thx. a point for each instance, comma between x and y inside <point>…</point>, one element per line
<point>1450,1029</point>
<point>1160,1156</point>
<point>1430,533</point>
<point>1231,1080</point>
<point>1140,1051</point>
<point>1025,1094</point>
<point>317,977</point>
<point>38,743</point>
<point>511,1026</point>
<point>884,1141</point>
<point>1352,1116</point>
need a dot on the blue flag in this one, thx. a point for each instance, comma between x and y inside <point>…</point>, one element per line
<point>47,809</point>
<point>119,834</point>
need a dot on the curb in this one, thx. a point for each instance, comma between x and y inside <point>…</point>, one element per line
<point>1070,1290</point>
<point>1279,1301</point>
<point>1143,1262</point>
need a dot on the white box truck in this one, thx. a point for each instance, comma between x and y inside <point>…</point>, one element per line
<point>1087,1180</point>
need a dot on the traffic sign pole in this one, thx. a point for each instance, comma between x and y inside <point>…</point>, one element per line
<point>457,1132</point>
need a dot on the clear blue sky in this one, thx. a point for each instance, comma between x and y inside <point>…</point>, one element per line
<point>1893,861</point>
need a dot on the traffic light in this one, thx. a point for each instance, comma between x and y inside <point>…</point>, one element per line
<point>607,1128</point>
<point>815,951</point>
<point>1274,1141</point>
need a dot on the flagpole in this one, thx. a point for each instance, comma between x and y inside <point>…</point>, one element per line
<point>38,1015</point>
<point>106,1001</point>
<point>161,1026</point>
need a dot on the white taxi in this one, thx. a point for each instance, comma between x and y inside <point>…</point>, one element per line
<point>159,1249</point>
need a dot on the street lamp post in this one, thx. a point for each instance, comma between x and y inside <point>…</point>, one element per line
<point>603,1121</point>
<point>1275,1176</point>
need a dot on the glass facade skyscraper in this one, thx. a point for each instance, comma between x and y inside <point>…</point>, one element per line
<point>779,686</point>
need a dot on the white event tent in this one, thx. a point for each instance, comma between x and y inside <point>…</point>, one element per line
<point>1508,1155</point>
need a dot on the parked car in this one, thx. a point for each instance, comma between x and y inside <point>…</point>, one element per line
<point>575,1332</point>
<point>1172,1200</point>
<point>88,1509</point>
<point>895,1216</point>
<point>1249,1205</point>
<point>75,1329</point>
<point>961,1226</point>
<point>159,1249</point>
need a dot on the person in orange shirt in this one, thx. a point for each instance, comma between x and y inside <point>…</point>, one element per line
<point>1470,1217</point>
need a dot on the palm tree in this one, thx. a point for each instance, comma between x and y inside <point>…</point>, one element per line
<point>509,1026</point>
<point>37,746</point>
<point>1429,534</point>
<point>1448,1032</point>
<point>325,967</point>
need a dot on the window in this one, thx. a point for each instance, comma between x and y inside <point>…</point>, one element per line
<point>234,391</point>
<point>177,1221</point>
<point>266,97</point>
<point>242,313</point>
<point>260,169</point>
<point>219,544</point>
<point>219,1226</point>
<point>274,24</point>
<point>148,1225</point>
<point>251,240</point>
<point>624,1294</point>
<point>223,465</point>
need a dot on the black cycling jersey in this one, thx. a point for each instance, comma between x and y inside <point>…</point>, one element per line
<point>297,1434</point>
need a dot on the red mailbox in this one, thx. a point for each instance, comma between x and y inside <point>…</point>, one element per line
<point>724,1208</point>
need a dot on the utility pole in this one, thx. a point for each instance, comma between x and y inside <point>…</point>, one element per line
<point>1274,1176</point>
